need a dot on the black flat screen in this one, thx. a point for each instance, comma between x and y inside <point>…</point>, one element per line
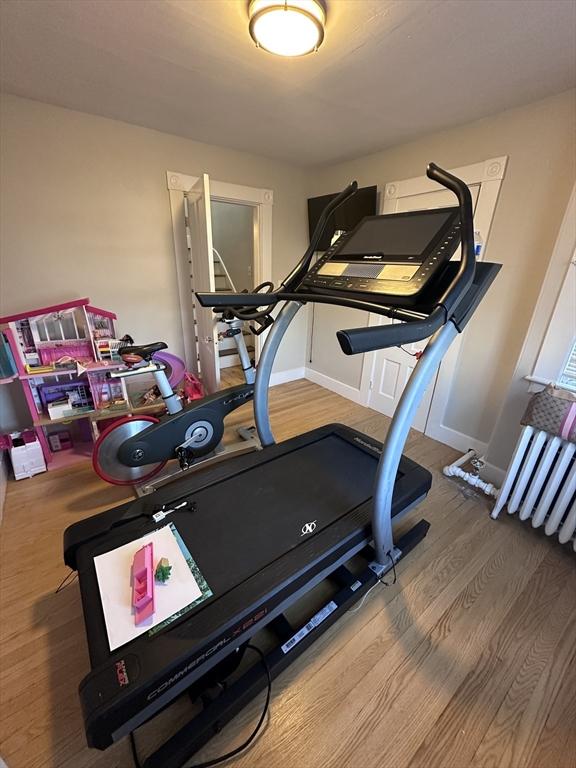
<point>346,217</point>
<point>389,235</point>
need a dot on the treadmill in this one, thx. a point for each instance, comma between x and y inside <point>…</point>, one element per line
<point>266,529</point>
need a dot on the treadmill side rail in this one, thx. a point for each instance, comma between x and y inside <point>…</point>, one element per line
<point>264,370</point>
<point>419,380</point>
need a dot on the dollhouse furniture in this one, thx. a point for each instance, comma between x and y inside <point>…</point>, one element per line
<point>25,453</point>
<point>60,355</point>
<point>143,583</point>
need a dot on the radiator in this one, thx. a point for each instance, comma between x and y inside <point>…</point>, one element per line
<point>540,484</point>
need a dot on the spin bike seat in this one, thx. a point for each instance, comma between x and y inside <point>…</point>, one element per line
<point>143,351</point>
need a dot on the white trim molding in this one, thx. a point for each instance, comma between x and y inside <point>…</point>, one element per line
<point>223,190</point>
<point>561,330</point>
<point>458,440</point>
<point>351,393</point>
<point>555,303</point>
<point>476,173</point>
<point>282,377</point>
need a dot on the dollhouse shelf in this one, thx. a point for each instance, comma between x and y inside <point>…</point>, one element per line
<point>83,336</point>
<point>68,372</point>
<point>111,413</point>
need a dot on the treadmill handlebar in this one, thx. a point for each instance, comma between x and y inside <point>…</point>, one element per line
<point>356,340</point>
<point>465,275</point>
<point>224,299</point>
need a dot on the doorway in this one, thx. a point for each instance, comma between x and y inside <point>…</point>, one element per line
<point>222,242</point>
<point>392,367</point>
<point>233,259</point>
<point>377,379</point>
<point>385,373</point>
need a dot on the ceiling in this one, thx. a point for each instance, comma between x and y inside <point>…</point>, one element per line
<point>388,71</point>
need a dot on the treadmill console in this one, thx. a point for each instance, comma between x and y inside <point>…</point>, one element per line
<point>394,255</point>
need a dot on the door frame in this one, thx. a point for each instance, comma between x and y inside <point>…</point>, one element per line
<point>489,175</point>
<point>261,201</point>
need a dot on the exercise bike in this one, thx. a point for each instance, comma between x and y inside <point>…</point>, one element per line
<point>135,449</point>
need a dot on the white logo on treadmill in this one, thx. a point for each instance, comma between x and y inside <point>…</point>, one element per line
<point>308,528</point>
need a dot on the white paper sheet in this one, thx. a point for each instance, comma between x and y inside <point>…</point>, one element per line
<point>113,570</point>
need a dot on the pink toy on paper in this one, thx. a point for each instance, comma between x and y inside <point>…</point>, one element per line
<point>143,583</point>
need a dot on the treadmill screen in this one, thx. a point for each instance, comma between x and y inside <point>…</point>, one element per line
<point>389,235</point>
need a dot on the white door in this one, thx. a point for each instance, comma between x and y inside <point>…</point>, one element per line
<point>202,267</point>
<point>392,367</point>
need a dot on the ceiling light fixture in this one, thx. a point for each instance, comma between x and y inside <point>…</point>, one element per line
<point>287,27</point>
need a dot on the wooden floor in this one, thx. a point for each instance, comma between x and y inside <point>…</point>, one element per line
<point>469,660</point>
<point>231,376</point>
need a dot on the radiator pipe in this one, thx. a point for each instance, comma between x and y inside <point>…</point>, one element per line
<point>455,470</point>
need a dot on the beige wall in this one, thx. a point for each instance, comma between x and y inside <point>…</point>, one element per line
<point>85,212</point>
<point>508,422</point>
<point>540,142</point>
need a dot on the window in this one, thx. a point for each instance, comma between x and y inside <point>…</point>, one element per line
<point>568,377</point>
<point>556,311</point>
<point>557,357</point>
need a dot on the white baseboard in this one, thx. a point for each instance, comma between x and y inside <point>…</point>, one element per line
<point>446,435</point>
<point>457,440</point>
<point>335,386</point>
<point>282,377</point>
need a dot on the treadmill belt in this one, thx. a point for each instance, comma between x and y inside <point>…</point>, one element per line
<point>253,518</point>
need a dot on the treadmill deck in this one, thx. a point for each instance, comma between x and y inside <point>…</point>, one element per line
<point>258,538</point>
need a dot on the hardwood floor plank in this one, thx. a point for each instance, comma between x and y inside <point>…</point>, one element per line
<point>556,746</point>
<point>531,626</point>
<point>515,729</point>
<point>422,678</point>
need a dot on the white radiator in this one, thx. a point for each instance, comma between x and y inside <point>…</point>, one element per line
<point>541,484</point>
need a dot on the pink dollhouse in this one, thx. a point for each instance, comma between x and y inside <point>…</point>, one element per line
<point>60,355</point>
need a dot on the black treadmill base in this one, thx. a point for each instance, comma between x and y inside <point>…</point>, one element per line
<point>292,642</point>
<point>246,525</point>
